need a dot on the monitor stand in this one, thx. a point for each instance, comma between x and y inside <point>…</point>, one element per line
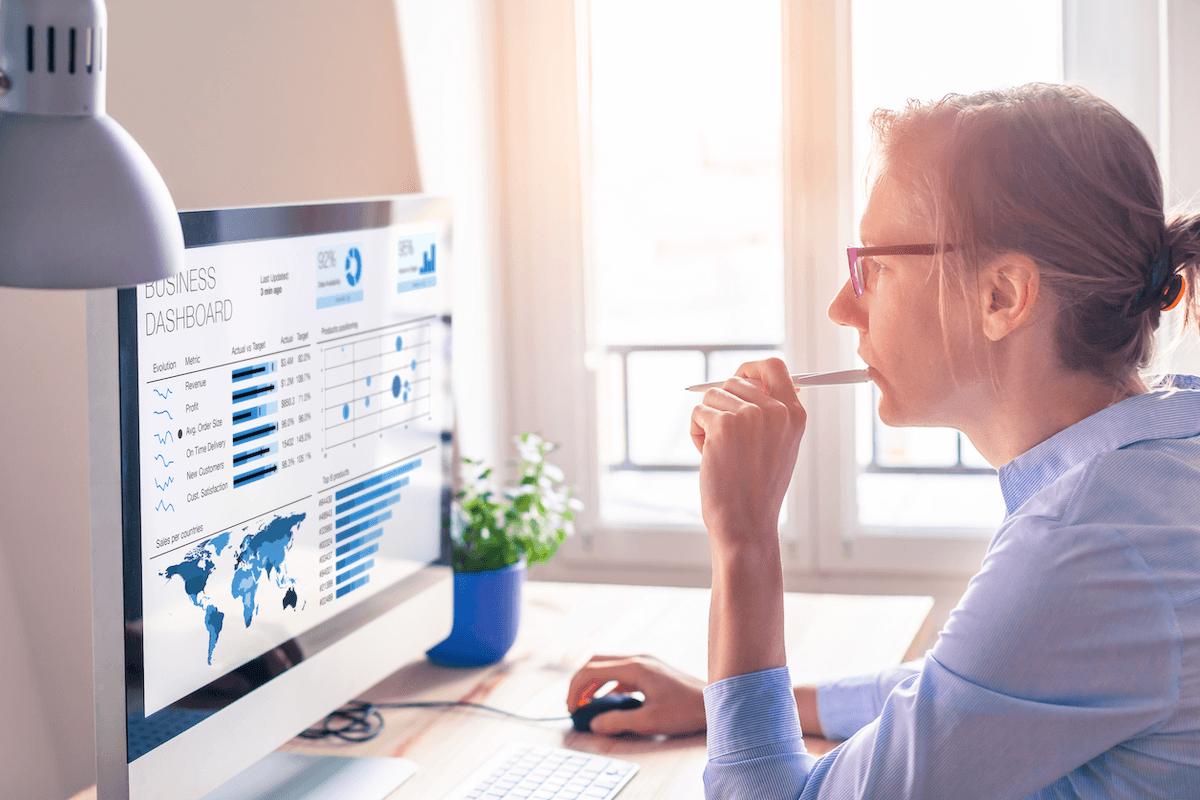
<point>304,777</point>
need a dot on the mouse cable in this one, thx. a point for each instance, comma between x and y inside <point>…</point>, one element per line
<point>360,721</point>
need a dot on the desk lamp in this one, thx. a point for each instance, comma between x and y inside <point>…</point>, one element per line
<point>81,204</point>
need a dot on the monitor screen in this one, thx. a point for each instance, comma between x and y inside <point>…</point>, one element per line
<point>284,467</point>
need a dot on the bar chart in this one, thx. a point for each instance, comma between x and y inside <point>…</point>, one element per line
<point>252,429</point>
<point>362,510</point>
<point>377,382</point>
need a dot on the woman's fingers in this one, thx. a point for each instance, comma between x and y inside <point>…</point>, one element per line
<point>747,432</point>
<point>596,673</point>
<point>731,398</point>
<point>772,374</point>
<point>634,720</point>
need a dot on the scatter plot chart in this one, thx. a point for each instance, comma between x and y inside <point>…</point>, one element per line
<point>377,382</point>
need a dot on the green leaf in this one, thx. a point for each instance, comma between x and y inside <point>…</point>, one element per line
<point>493,531</point>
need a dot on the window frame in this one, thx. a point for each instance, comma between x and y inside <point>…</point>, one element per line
<point>544,156</point>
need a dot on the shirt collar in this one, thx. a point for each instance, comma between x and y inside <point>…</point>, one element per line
<point>1169,413</point>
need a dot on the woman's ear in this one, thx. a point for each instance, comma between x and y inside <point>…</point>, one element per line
<point>1008,288</point>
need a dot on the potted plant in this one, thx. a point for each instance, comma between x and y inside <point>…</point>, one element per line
<point>494,537</point>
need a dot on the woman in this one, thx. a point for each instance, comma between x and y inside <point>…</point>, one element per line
<point>1020,263</point>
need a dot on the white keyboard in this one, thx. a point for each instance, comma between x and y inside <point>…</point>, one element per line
<point>522,770</point>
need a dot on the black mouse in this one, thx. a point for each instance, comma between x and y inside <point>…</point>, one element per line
<point>583,716</point>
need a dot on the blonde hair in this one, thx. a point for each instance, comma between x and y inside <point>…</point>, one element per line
<point>1061,176</point>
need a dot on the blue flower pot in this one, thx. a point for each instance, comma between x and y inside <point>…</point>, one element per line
<point>487,611</point>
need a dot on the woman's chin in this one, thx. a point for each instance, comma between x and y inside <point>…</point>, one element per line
<point>892,413</point>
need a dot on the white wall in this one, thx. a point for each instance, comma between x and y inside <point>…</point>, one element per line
<point>237,103</point>
<point>265,102</point>
<point>44,540</point>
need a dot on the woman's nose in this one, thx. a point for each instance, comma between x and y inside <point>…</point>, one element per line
<point>848,310</point>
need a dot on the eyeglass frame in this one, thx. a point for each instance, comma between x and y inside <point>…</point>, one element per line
<point>853,254</point>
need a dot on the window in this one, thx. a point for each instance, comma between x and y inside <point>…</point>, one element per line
<point>624,287</point>
<point>684,112</point>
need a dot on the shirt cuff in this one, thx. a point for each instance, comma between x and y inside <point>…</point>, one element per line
<point>751,710</point>
<point>845,706</point>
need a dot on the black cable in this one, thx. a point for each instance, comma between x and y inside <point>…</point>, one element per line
<point>360,721</point>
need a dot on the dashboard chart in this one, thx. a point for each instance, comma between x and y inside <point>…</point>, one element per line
<point>375,383</point>
<point>290,416</point>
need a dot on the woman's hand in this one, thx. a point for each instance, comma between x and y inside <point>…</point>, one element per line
<point>674,701</point>
<point>748,433</point>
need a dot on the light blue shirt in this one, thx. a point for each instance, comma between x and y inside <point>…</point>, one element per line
<point>1069,669</point>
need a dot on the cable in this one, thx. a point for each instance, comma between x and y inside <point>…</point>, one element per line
<point>360,721</point>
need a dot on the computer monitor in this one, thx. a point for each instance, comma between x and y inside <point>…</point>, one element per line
<point>270,477</point>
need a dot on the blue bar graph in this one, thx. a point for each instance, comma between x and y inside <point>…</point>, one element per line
<point>255,371</point>
<point>350,587</point>
<point>362,526</point>
<point>361,554</point>
<point>360,541</point>
<point>342,577</point>
<point>378,479</point>
<point>255,453</point>
<point>254,433</point>
<point>252,392</point>
<point>367,511</point>
<point>251,414</point>
<point>254,475</point>
<point>369,496</point>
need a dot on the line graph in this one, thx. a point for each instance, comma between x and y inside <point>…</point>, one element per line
<point>160,394</point>
<point>168,413</point>
<point>163,486</point>
<point>164,506</point>
<point>170,437</point>
<point>378,382</point>
<point>165,463</point>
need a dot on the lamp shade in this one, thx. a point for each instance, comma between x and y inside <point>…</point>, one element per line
<point>81,204</point>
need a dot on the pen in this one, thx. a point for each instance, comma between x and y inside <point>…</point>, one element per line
<point>808,379</point>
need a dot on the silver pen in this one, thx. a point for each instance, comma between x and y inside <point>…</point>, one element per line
<point>808,379</point>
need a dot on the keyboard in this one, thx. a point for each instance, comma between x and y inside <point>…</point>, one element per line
<point>537,772</point>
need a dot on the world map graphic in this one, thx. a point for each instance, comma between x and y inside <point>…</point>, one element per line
<point>261,557</point>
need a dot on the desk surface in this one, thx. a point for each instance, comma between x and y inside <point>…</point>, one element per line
<point>563,624</point>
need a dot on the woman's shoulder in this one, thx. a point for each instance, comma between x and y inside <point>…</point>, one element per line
<point>1142,501</point>
<point>1144,488</point>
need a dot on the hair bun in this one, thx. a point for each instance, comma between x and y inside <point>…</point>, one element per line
<point>1161,283</point>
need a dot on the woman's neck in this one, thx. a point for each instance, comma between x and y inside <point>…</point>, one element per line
<point>1027,407</point>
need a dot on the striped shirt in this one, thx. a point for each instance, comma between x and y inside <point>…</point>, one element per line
<point>1069,669</point>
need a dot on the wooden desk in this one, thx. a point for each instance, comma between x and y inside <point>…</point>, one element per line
<point>563,625</point>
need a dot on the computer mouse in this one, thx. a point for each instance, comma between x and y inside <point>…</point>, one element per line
<point>614,701</point>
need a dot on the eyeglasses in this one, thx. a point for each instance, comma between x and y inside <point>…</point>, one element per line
<point>853,254</point>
